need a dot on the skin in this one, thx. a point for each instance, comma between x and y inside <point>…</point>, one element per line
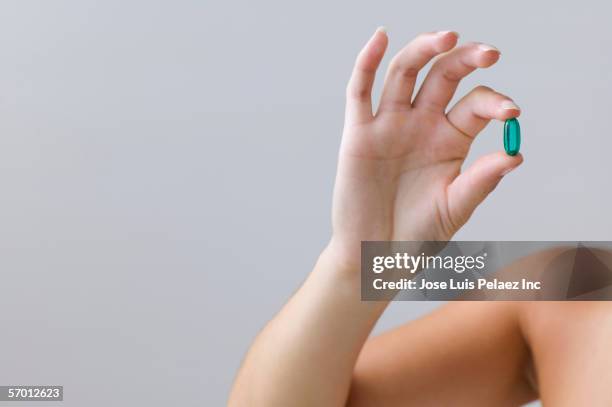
<point>400,177</point>
<point>570,343</point>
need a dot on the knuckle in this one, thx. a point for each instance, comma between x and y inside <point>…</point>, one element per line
<point>399,68</point>
<point>357,93</point>
<point>450,75</point>
<point>410,72</point>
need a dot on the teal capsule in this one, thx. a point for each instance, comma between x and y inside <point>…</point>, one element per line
<point>512,136</point>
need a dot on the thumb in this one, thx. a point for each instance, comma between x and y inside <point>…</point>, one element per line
<point>473,185</point>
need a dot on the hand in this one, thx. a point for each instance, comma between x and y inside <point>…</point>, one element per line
<point>399,173</point>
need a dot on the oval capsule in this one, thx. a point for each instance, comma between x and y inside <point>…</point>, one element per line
<point>512,136</point>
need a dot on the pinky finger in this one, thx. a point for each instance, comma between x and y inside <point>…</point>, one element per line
<point>359,89</point>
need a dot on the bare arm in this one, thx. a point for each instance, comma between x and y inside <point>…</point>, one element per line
<point>464,354</point>
<point>399,178</point>
<point>306,354</point>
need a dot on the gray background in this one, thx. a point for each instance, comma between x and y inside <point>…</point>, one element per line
<point>166,170</point>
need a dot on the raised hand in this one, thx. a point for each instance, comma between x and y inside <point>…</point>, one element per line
<point>399,173</point>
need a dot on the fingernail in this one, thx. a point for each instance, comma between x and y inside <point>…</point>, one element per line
<point>509,105</point>
<point>507,171</point>
<point>443,33</point>
<point>487,47</point>
<point>382,29</point>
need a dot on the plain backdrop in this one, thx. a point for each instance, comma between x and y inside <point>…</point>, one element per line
<point>166,170</point>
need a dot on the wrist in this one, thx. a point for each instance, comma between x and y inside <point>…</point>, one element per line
<point>343,257</point>
<point>338,273</point>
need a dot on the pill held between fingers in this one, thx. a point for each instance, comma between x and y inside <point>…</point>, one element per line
<point>512,136</point>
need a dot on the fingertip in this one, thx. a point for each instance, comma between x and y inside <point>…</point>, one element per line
<point>448,34</point>
<point>382,30</point>
<point>372,53</point>
<point>508,113</point>
<point>503,156</point>
<point>519,159</point>
<point>380,34</point>
<point>378,42</point>
<point>488,48</point>
<point>446,40</point>
<point>511,163</point>
<point>487,55</point>
<point>487,59</point>
<point>506,108</point>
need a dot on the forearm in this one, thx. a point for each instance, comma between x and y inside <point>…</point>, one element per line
<point>306,354</point>
<point>399,178</point>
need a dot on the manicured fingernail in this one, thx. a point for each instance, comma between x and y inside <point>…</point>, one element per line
<point>509,105</point>
<point>443,33</point>
<point>487,47</point>
<point>382,29</point>
<point>507,171</point>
